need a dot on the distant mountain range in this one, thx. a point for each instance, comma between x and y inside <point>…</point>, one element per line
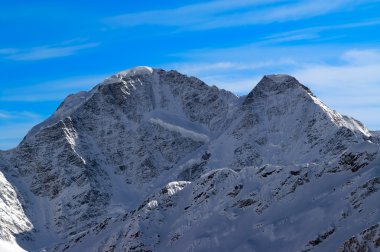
<point>154,160</point>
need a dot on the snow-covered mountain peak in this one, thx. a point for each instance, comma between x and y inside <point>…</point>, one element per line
<point>131,72</point>
<point>139,70</point>
<point>155,160</point>
<point>141,90</point>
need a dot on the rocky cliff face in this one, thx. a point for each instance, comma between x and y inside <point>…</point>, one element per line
<point>155,160</point>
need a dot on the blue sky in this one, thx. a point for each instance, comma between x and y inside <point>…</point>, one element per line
<point>49,49</point>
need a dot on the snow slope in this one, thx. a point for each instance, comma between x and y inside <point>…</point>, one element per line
<point>153,160</point>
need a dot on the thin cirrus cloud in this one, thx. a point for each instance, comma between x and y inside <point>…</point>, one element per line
<point>14,115</point>
<point>360,69</point>
<point>283,13</point>
<point>43,52</point>
<point>14,132</point>
<point>16,124</point>
<point>314,32</point>
<point>182,16</point>
<point>199,68</point>
<point>362,57</point>
<point>219,14</point>
<point>54,90</point>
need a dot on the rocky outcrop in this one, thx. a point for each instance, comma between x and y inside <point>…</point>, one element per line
<point>368,240</point>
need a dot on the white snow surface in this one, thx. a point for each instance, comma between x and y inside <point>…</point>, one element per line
<point>10,247</point>
<point>153,160</point>
<point>140,70</point>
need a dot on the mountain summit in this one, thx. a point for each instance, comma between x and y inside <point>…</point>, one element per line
<point>154,160</point>
<point>278,83</point>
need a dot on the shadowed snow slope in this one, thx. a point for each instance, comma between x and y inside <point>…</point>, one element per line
<point>153,160</point>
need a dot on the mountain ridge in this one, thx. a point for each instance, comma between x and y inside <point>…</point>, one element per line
<point>124,150</point>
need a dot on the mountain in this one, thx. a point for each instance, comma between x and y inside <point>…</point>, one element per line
<point>153,160</point>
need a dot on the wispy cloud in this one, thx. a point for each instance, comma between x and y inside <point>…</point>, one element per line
<point>14,125</point>
<point>360,69</point>
<point>225,13</point>
<point>55,90</point>
<point>3,115</point>
<point>6,51</point>
<point>44,52</point>
<point>187,15</point>
<point>197,68</point>
<point>362,57</point>
<point>15,131</point>
<point>14,115</point>
<point>314,32</point>
<point>286,12</point>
